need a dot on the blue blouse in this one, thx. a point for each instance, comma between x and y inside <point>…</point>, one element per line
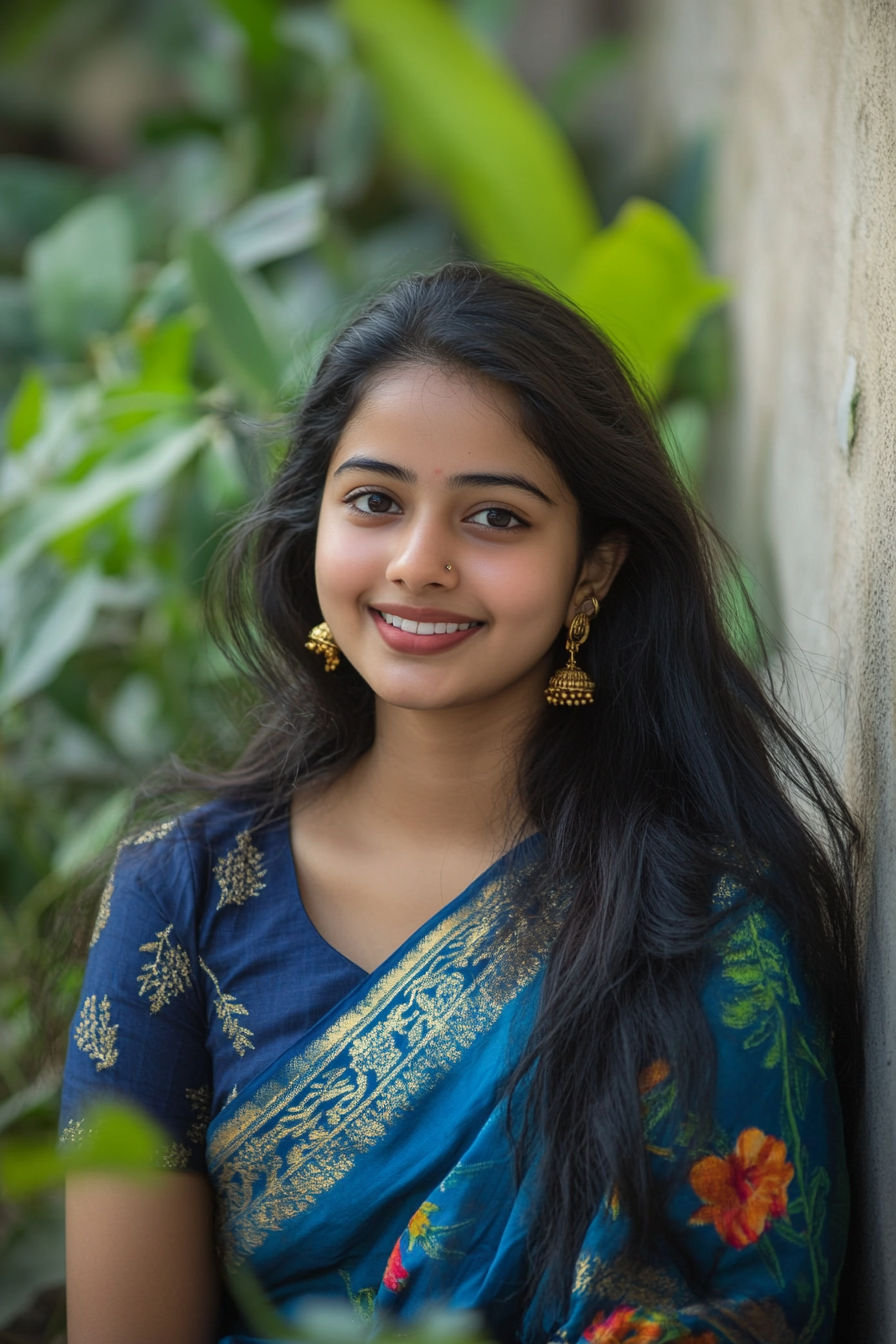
<point>193,984</point>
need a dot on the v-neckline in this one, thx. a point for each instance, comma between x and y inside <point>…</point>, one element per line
<point>509,855</point>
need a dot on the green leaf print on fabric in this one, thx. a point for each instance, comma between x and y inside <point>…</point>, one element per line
<point>756,963</point>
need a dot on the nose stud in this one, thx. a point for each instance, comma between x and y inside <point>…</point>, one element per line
<point>449,568</point>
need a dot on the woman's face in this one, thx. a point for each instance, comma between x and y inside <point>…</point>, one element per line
<point>433,471</point>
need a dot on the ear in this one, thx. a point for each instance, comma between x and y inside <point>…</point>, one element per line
<point>598,572</point>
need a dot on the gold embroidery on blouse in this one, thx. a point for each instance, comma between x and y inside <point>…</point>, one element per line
<point>232,1093</point>
<point>176,1157</point>
<point>96,1033</point>
<point>102,914</point>
<point>228,1011</point>
<point>75,1133</point>
<point>200,1099</point>
<point>239,873</point>
<point>301,1132</point>
<point>168,974</point>
<point>154,833</point>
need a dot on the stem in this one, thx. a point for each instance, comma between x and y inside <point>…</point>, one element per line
<point>796,1147</point>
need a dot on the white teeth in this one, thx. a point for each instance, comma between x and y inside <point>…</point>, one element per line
<point>426,627</point>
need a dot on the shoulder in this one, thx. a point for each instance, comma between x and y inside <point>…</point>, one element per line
<point>770,1031</point>
<point>173,864</point>
<point>753,956</point>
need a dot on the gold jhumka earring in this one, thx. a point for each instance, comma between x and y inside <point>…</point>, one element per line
<point>321,640</point>
<point>571,685</point>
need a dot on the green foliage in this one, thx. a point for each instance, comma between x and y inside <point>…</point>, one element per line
<point>154,315</point>
<point>26,411</point>
<point>641,280</point>
<point>234,324</point>
<point>335,1322</point>
<point>461,115</point>
<point>79,274</point>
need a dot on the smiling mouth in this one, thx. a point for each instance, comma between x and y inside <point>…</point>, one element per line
<point>427,627</point>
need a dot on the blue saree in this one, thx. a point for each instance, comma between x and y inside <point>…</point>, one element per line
<point>371,1160</point>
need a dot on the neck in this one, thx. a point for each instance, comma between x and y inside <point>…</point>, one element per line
<point>446,773</point>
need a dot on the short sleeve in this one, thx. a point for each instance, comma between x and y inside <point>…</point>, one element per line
<point>140,1030</point>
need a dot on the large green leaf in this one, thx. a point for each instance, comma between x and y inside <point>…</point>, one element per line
<point>235,326</point>
<point>26,410</point>
<point>115,1136</point>
<point>455,111</point>
<point>80,273</point>
<point>55,634</point>
<point>61,627</point>
<point>641,280</point>
<point>274,224</point>
<point>56,511</point>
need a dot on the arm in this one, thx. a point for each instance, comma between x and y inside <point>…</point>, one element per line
<point>140,1251</point>
<point>140,1260</point>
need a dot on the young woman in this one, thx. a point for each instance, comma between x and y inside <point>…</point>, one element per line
<point>481,981</point>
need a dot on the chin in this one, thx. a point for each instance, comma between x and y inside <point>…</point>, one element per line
<point>422,697</point>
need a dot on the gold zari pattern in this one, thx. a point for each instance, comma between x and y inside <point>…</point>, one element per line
<point>102,914</point>
<point>96,1033</point>
<point>154,833</point>
<point>168,974</point>
<point>229,1012</point>
<point>239,873</point>
<point>75,1133</point>
<point>176,1157</point>
<point>300,1133</point>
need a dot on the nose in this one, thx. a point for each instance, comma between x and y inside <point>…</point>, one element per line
<point>422,555</point>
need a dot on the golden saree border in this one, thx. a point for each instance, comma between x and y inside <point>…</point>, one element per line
<point>303,1129</point>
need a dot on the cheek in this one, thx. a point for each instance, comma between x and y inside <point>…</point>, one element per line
<point>347,560</point>
<point>531,588</point>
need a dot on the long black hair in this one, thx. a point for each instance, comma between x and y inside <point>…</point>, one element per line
<point>685,766</point>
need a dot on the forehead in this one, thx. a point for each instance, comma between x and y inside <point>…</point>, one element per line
<point>437,420</point>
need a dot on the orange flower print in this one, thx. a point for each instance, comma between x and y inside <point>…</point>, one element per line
<point>653,1075</point>
<point>395,1275</point>
<point>625,1325</point>
<point>742,1192</point>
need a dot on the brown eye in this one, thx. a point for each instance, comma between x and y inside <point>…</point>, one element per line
<point>497,518</point>
<point>373,502</point>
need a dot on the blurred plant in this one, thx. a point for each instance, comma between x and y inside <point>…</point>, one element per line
<point>120,1139</point>
<point>263,168</point>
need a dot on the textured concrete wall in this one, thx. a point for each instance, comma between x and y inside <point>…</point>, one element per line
<point>802,95</point>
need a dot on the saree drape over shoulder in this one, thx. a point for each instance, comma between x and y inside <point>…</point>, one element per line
<point>370,1159</point>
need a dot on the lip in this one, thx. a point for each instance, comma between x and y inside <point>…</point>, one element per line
<point>403,642</point>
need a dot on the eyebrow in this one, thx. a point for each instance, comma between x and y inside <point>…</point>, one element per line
<point>464,481</point>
